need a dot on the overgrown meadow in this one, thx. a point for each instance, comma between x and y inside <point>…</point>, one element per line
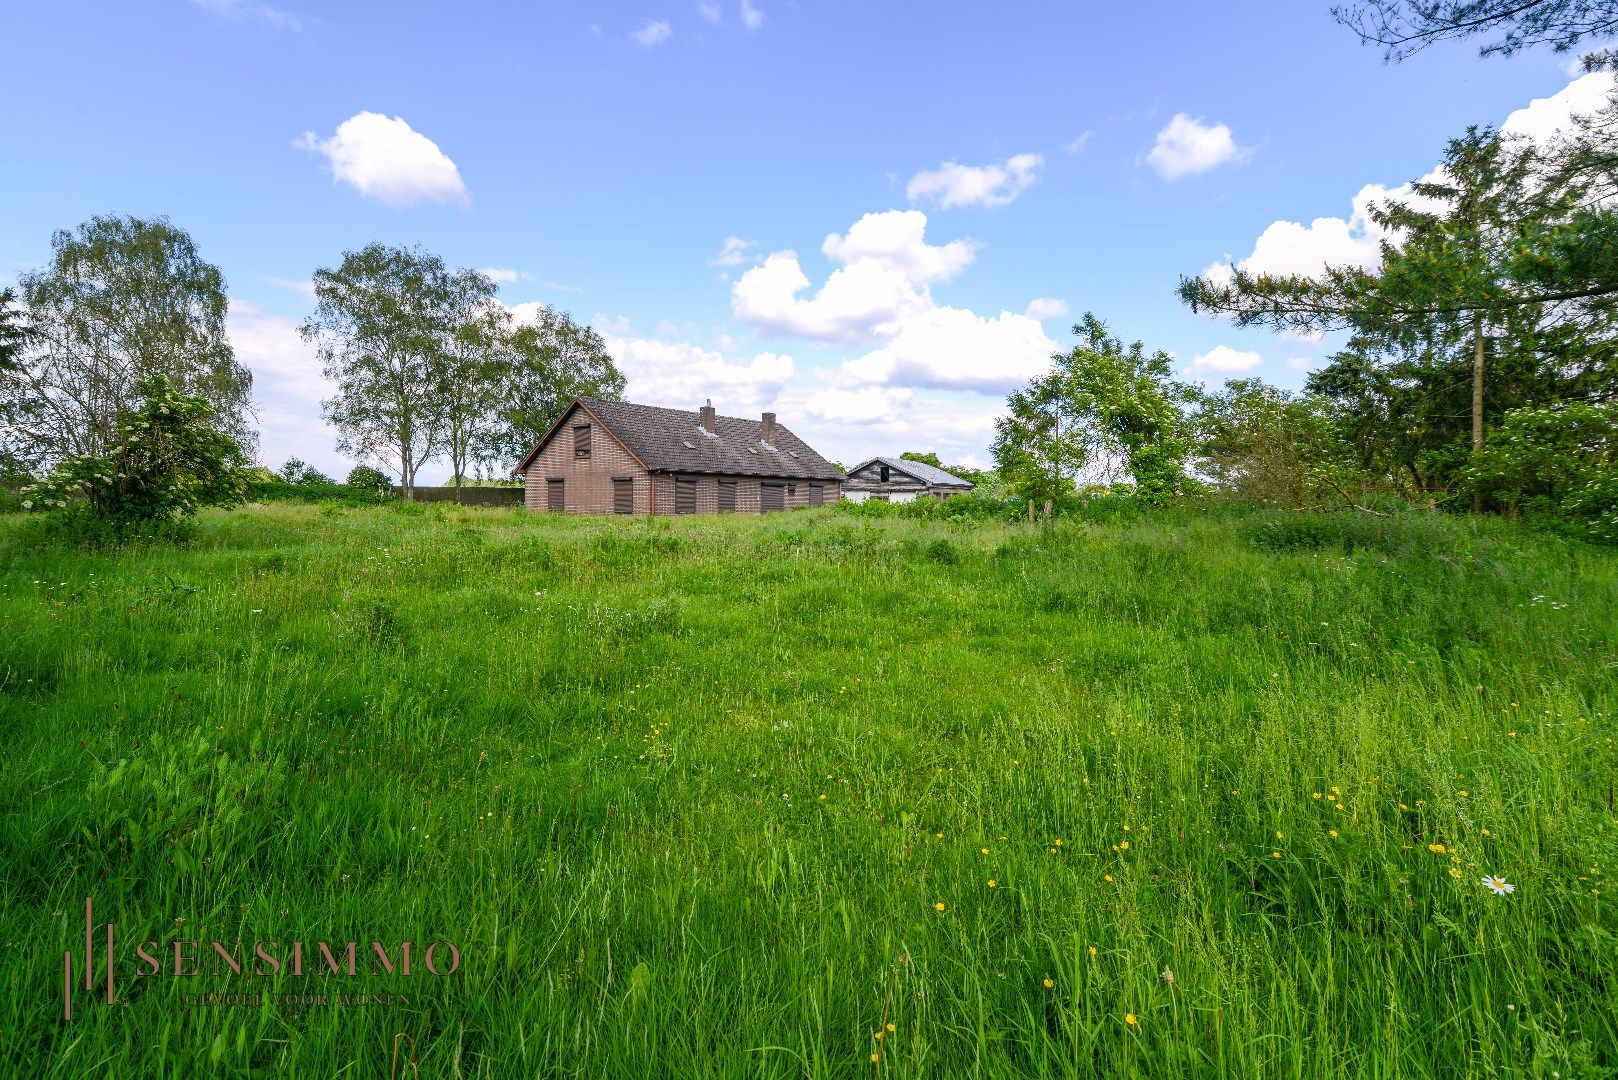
<point>1206,792</point>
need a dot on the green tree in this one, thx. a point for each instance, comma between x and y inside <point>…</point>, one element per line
<point>121,300</point>
<point>547,364</point>
<point>476,357</point>
<point>1404,27</point>
<point>12,331</point>
<point>1102,403</point>
<point>381,326</point>
<point>1477,276</point>
<point>167,458</point>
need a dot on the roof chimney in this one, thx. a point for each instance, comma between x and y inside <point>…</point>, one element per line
<point>769,430</point>
<point>707,415</point>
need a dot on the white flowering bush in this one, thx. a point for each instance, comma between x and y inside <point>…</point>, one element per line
<point>166,461</point>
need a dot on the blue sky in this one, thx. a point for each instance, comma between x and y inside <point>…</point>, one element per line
<point>874,218</point>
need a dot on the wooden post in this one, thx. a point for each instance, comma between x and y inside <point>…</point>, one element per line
<point>1047,510</point>
<point>1030,511</point>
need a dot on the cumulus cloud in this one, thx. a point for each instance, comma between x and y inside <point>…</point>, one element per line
<point>287,388</point>
<point>954,348</point>
<point>953,184</point>
<point>1189,147</point>
<point>385,159</point>
<point>1542,119</point>
<point>649,34</point>
<point>880,296</point>
<point>752,17</point>
<point>1292,247</point>
<point>887,265</point>
<point>1046,307</point>
<point>502,275</point>
<point>1226,361</point>
<point>681,375</point>
<point>710,11</point>
<point>733,252</point>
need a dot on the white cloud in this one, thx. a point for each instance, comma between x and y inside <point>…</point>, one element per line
<point>1291,247</point>
<point>649,34</point>
<point>1226,361</point>
<point>710,10</point>
<point>252,9</point>
<point>680,375</point>
<point>887,265</point>
<point>947,347</point>
<point>881,296</point>
<point>953,184</point>
<point>733,252</point>
<point>752,17</point>
<point>287,389</point>
<point>1542,119</point>
<point>387,160</point>
<point>1079,143</point>
<point>560,287</point>
<point>1045,307</point>
<point>1300,363</point>
<point>1188,147</point>
<point>502,275</point>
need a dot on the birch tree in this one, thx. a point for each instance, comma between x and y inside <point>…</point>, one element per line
<point>380,327</point>
<point>122,299</point>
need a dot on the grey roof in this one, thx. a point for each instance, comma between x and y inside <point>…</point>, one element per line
<point>672,440</point>
<point>927,474</point>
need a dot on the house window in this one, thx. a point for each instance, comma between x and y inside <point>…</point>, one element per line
<point>792,489</point>
<point>685,495</point>
<point>623,495</point>
<point>581,440</point>
<point>727,495</point>
<point>884,471</point>
<point>817,494</point>
<point>771,496</point>
<point>554,497</point>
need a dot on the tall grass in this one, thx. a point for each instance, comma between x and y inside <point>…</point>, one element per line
<point>726,797</point>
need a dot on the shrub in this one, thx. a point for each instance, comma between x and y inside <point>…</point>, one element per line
<point>365,481</point>
<point>166,461</point>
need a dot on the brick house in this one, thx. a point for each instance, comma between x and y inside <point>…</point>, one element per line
<point>886,479</point>
<point>614,457</point>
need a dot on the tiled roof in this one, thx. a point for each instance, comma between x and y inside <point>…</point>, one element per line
<point>672,440</point>
<point>927,474</point>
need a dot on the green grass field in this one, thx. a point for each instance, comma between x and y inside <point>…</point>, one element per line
<point>728,797</point>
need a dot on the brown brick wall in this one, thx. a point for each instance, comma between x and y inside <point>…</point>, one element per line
<point>747,494</point>
<point>588,481</point>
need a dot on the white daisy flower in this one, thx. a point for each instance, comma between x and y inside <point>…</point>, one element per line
<point>1499,886</point>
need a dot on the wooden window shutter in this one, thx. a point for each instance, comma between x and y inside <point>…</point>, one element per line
<point>727,495</point>
<point>554,497</point>
<point>581,440</point>
<point>772,497</point>
<point>623,495</point>
<point>685,495</point>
